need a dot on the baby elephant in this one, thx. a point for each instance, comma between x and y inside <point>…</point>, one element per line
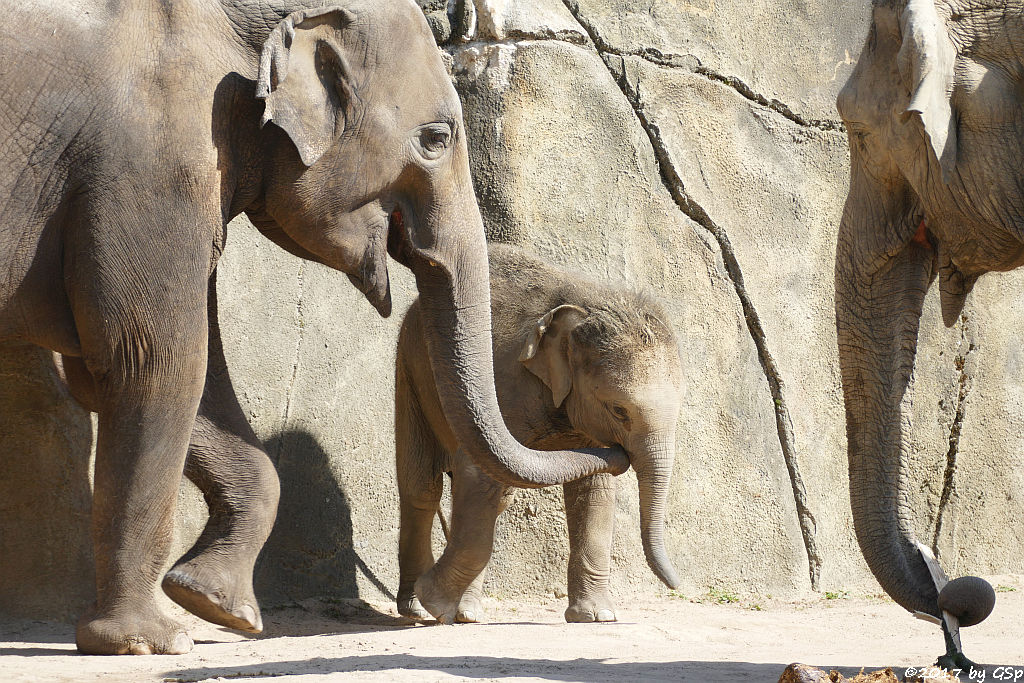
<point>576,365</point>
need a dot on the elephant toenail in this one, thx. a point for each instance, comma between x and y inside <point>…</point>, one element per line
<point>247,614</point>
<point>605,615</point>
<point>182,644</point>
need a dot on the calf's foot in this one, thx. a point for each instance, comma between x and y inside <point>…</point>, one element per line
<point>439,597</point>
<point>586,610</point>
<point>470,610</point>
<point>129,632</point>
<point>409,605</point>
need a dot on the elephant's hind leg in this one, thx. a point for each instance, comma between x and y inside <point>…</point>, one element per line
<point>471,605</point>
<point>227,462</point>
<point>419,459</point>
<point>590,516</point>
<point>476,502</point>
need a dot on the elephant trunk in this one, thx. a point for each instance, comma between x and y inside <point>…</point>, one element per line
<point>883,271</point>
<point>447,253</point>
<point>880,290</point>
<point>653,460</point>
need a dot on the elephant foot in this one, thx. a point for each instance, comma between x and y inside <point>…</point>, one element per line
<point>219,595</point>
<point>147,632</point>
<point>441,603</point>
<point>409,606</point>
<point>470,610</point>
<point>590,609</point>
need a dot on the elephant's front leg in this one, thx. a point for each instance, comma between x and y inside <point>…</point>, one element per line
<point>146,351</point>
<point>239,483</point>
<point>590,516</point>
<point>476,503</point>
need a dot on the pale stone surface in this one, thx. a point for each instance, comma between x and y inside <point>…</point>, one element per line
<point>769,182</point>
<point>800,53</point>
<point>491,20</point>
<point>562,162</point>
<point>45,549</point>
<point>983,523</point>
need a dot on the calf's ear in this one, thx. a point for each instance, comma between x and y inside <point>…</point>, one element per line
<point>546,350</point>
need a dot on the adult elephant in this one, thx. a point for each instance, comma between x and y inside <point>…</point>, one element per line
<point>935,119</point>
<point>130,133</point>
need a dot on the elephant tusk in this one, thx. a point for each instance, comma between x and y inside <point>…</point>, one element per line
<point>951,622</point>
<point>934,568</point>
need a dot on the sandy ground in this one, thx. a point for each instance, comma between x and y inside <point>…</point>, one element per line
<point>667,639</point>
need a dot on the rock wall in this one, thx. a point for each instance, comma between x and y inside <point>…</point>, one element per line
<point>690,147</point>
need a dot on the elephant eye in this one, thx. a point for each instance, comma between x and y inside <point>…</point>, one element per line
<point>619,413</point>
<point>434,140</point>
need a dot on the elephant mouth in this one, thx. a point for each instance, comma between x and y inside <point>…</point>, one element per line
<point>372,278</point>
<point>398,240</point>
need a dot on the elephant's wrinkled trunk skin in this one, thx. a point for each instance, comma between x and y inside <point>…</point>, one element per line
<point>653,459</point>
<point>882,274</point>
<point>447,252</point>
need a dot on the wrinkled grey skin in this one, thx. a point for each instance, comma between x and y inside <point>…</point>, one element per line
<point>935,119</point>
<point>576,365</point>
<point>130,134</point>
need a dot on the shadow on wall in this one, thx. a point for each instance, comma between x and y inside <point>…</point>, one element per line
<point>46,567</point>
<point>310,552</point>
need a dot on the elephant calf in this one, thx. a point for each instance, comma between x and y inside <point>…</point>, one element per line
<point>577,365</point>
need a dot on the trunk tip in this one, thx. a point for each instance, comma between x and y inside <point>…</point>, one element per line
<point>667,573</point>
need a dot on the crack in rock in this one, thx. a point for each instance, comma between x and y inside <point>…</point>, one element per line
<point>965,348</point>
<point>286,418</point>
<point>692,63</point>
<point>773,104</point>
<point>688,62</point>
<point>674,184</point>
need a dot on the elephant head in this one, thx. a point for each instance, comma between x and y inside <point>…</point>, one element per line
<point>365,155</point>
<point>933,116</point>
<point>617,370</point>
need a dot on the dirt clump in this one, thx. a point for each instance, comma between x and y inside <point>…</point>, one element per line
<point>801,673</point>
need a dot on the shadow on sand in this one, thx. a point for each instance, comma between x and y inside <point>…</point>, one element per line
<point>511,667</point>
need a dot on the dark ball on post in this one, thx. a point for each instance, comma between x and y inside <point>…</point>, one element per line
<point>969,598</point>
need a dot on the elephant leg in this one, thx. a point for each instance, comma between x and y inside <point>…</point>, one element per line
<point>148,369</point>
<point>476,501</point>
<point>471,606</point>
<point>226,461</point>
<point>590,516</point>
<point>418,460</point>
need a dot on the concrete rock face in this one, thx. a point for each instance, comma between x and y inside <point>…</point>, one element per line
<point>46,566</point>
<point>688,147</point>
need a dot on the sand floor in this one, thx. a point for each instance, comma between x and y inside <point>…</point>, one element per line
<point>664,639</point>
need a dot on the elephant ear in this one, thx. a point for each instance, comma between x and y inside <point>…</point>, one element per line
<point>306,80</point>
<point>546,351</point>
<point>926,60</point>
